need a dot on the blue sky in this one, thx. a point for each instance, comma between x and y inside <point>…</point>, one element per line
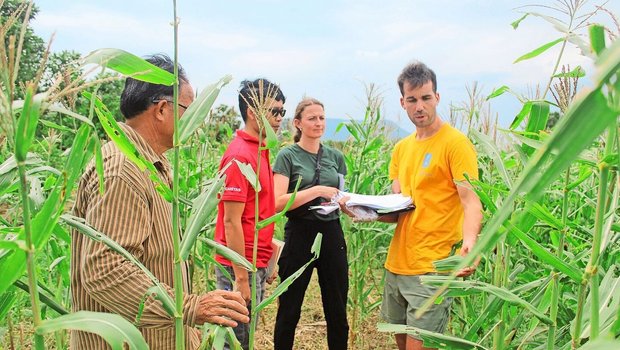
<point>329,49</point>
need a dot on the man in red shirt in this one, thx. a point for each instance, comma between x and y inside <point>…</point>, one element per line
<point>236,210</point>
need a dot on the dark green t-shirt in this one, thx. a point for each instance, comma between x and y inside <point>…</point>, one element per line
<point>293,162</point>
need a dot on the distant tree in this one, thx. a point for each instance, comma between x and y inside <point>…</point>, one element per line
<point>62,70</point>
<point>554,117</point>
<point>33,47</point>
<point>224,122</point>
<point>63,66</point>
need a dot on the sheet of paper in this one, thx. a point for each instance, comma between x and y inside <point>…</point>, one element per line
<point>389,201</point>
<point>325,209</point>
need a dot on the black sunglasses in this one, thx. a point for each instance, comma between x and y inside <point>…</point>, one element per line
<point>275,112</point>
<point>157,100</point>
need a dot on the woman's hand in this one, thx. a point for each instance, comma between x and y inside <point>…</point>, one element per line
<point>326,192</point>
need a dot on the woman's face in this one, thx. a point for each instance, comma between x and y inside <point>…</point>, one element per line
<point>312,122</point>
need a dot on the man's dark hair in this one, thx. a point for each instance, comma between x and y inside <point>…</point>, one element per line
<point>138,95</point>
<point>416,74</point>
<point>253,92</point>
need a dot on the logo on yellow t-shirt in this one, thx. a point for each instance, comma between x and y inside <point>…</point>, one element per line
<point>427,160</point>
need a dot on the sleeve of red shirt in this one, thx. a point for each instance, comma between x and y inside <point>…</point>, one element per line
<point>236,185</point>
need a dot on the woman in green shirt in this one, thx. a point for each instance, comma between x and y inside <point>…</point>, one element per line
<point>322,171</point>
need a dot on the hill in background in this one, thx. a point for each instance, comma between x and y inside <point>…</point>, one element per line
<point>395,132</point>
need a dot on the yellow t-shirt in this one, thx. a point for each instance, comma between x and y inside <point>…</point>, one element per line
<point>427,170</point>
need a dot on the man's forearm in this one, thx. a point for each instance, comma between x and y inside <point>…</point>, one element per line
<point>389,218</point>
<point>120,287</point>
<point>235,240</point>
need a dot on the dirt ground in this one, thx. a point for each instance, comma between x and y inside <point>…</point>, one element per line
<point>311,331</point>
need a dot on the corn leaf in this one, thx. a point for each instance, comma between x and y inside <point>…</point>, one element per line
<point>7,300</point>
<point>499,292</point>
<point>541,253</point>
<point>114,329</point>
<point>283,286</point>
<point>373,145</point>
<point>602,344</point>
<point>430,339</point>
<point>250,175</point>
<point>559,26</point>
<point>352,130</point>
<point>53,125</point>
<point>13,264</point>
<point>27,124</point>
<point>10,164</point>
<point>229,254</point>
<point>539,115</point>
<point>516,23</point>
<point>271,140</point>
<point>543,214</point>
<point>263,223</point>
<point>130,65</point>
<point>584,174</point>
<point>539,50</point>
<point>608,64</point>
<point>165,299</point>
<point>499,91</point>
<point>45,297</point>
<point>447,264</point>
<point>490,149</point>
<point>202,209</point>
<point>525,111</point>
<point>597,38</point>
<point>578,72</point>
<point>58,108</point>
<point>199,110</point>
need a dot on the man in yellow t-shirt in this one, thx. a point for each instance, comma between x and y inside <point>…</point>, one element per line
<point>430,166</point>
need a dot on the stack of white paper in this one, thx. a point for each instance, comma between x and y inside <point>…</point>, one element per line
<point>381,204</point>
<point>385,202</point>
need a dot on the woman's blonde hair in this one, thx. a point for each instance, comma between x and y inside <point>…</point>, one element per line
<point>301,106</point>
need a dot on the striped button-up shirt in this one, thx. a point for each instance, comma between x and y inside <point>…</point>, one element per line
<point>132,213</point>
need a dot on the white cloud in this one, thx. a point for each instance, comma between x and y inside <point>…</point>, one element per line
<point>328,48</point>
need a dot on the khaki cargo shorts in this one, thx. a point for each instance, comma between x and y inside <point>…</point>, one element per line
<point>403,295</point>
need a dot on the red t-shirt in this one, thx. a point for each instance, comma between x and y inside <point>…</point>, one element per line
<point>237,188</point>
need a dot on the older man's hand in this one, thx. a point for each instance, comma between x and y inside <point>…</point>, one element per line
<point>342,202</point>
<point>222,307</point>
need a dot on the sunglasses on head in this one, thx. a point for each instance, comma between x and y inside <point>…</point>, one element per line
<point>275,112</point>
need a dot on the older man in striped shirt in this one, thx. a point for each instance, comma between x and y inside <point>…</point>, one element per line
<point>132,213</point>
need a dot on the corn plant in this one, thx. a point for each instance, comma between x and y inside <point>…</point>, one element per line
<point>367,164</point>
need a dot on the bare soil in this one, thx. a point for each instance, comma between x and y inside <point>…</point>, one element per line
<point>311,331</point>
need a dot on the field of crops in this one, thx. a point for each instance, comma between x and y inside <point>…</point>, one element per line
<point>549,277</point>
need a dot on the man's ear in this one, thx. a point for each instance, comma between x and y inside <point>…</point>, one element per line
<point>158,108</point>
<point>250,114</point>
